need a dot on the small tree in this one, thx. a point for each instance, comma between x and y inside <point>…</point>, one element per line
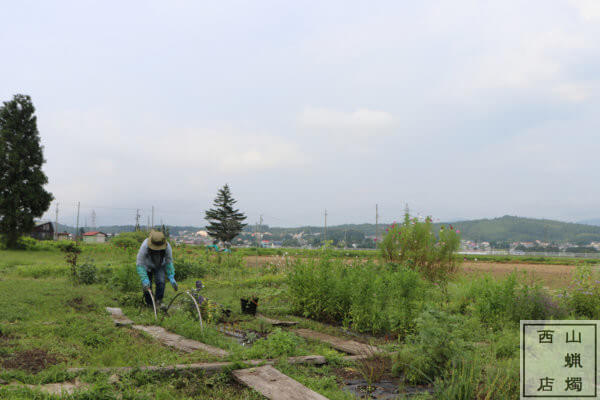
<point>414,244</point>
<point>225,221</point>
<point>22,194</point>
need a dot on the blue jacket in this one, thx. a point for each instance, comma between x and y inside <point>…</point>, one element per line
<point>144,262</point>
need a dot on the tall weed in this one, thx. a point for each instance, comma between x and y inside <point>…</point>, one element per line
<point>367,297</point>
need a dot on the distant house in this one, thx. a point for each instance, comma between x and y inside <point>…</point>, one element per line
<point>43,231</point>
<point>94,237</point>
<point>63,236</point>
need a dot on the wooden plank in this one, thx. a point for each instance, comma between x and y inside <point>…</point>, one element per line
<point>179,342</point>
<point>118,317</point>
<point>276,322</point>
<point>347,346</point>
<point>274,385</point>
<point>208,367</point>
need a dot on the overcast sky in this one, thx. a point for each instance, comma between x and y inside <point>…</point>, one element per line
<point>462,109</point>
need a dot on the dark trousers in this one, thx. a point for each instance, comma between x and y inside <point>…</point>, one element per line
<point>158,277</point>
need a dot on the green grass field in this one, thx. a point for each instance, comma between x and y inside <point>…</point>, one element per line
<point>49,323</point>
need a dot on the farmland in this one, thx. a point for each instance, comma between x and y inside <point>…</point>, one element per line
<point>53,319</point>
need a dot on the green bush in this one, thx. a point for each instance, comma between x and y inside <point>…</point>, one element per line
<point>87,273</point>
<point>461,381</point>
<point>414,244</point>
<point>126,279</point>
<point>27,243</point>
<point>278,344</point>
<point>187,267</point>
<point>506,343</point>
<point>583,295</point>
<point>440,338</point>
<point>129,240</point>
<point>365,296</point>
<point>498,301</point>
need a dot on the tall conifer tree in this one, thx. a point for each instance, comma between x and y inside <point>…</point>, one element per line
<point>225,221</point>
<point>22,193</point>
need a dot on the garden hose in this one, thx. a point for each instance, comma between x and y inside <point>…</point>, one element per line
<point>197,308</point>
<point>169,306</point>
<point>153,303</point>
<point>195,303</point>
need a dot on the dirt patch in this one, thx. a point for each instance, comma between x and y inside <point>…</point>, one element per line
<point>80,304</point>
<point>387,387</point>
<point>552,276</point>
<point>32,361</point>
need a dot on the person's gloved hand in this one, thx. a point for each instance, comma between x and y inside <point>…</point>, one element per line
<point>146,284</point>
<point>173,283</point>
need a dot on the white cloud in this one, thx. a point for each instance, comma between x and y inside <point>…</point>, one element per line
<point>572,92</point>
<point>589,10</point>
<point>362,122</point>
<point>535,60</point>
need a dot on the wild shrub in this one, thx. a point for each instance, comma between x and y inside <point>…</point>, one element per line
<point>367,297</point>
<point>493,298</point>
<point>129,241</point>
<point>278,344</point>
<point>125,278</point>
<point>534,302</point>
<point>414,244</point>
<point>27,243</point>
<point>506,343</point>
<point>188,267</point>
<point>498,301</point>
<point>583,294</point>
<point>439,338</point>
<point>87,273</point>
<point>230,261</point>
<point>461,381</point>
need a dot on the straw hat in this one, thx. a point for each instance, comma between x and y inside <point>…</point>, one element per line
<point>157,241</point>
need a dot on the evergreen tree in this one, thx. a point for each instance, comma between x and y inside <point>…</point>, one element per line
<point>22,194</point>
<point>225,221</point>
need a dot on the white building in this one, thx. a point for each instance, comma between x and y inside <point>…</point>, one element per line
<point>94,237</point>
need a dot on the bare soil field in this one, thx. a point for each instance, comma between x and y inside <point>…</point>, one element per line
<point>552,276</point>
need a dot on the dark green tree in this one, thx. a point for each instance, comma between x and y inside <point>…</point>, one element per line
<point>22,193</point>
<point>165,230</point>
<point>225,221</point>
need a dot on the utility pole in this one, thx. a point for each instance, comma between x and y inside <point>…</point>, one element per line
<point>148,226</point>
<point>94,219</point>
<point>260,229</point>
<point>77,228</point>
<point>152,217</point>
<point>325,236</point>
<point>376,222</point>
<point>56,223</point>
<point>256,235</point>
<point>137,219</point>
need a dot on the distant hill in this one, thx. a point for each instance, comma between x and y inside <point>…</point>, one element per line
<point>509,228</point>
<point>593,221</point>
<point>503,229</point>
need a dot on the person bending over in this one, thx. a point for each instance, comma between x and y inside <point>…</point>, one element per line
<point>154,262</point>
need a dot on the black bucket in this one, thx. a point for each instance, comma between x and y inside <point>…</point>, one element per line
<point>249,305</point>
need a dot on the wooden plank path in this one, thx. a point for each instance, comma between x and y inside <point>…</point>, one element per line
<point>118,317</point>
<point>347,346</point>
<point>276,322</point>
<point>179,342</point>
<point>208,367</point>
<point>274,385</point>
<point>168,338</point>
